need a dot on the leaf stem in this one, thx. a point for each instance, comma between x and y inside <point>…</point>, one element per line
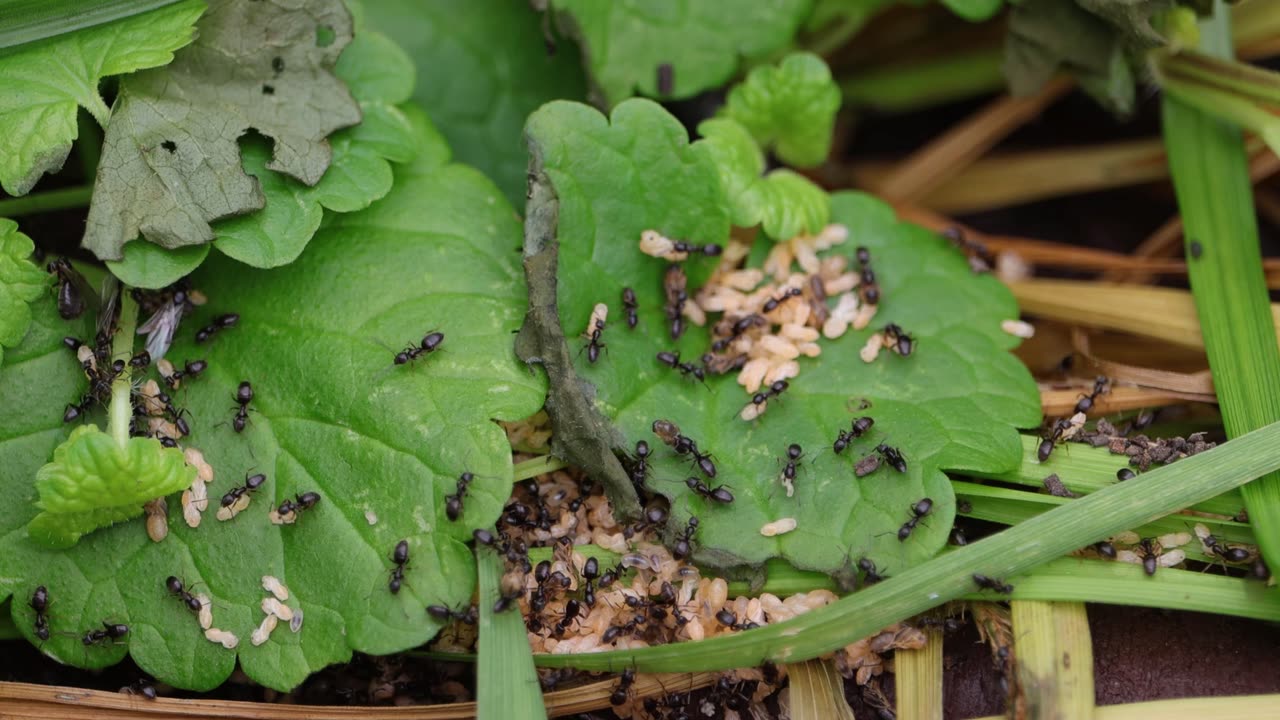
<point>121,408</point>
<point>534,467</point>
<point>62,199</point>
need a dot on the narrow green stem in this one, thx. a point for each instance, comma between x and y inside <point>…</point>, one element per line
<point>925,84</point>
<point>121,408</point>
<point>1211,179</point>
<point>534,467</point>
<point>1232,76</point>
<point>46,201</point>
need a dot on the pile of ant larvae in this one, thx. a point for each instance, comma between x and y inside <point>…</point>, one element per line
<point>774,314</point>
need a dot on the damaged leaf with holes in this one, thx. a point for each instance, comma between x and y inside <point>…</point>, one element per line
<point>381,444</point>
<point>170,162</point>
<point>954,404</point>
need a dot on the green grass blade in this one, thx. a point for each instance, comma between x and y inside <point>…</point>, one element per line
<point>24,21</point>
<point>1084,469</point>
<point>1211,179</point>
<point>1016,550</point>
<point>506,684</point>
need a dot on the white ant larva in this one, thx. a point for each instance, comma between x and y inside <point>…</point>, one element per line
<point>263,631</point>
<point>226,638</point>
<point>272,584</point>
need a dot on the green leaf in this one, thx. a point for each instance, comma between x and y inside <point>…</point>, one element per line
<point>790,107</point>
<point>974,10</point>
<point>45,81</point>
<point>381,443</point>
<point>953,405</point>
<point>786,203</point>
<point>479,90</point>
<point>94,482</point>
<point>20,283</point>
<point>506,682</point>
<point>170,163</point>
<point>25,21</point>
<point>623,43</point>
<point>359,173</point>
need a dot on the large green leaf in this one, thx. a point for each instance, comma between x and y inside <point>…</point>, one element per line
<point>954,404</point>
<point>170,160</point>
<point>624,42</point>
<point>482,67</point>
<point>381,443</point>
<point>381,78</point>
<point>44,82</point>
<point>20,283</point>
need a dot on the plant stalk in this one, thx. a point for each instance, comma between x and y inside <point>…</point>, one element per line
<point>120,411</point>
<point>73,197</point>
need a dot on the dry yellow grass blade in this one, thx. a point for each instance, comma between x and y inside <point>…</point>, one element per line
<point>23,701</point>
<point>1162,313</point>
<point>1243,707</point>
<point>1055,658</point>
<point>918,675</point>
<point>1119,399</point>
<point>1012,178</point>
<point>817,692</point>
<point>968,140</point>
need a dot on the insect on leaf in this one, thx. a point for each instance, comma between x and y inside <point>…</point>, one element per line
<point>170,163</point>
<point>382,444</point>
<point>21,282</point>
<point>44,82</point>
<point>955,403</point>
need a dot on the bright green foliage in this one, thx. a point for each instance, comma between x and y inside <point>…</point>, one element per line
<point>44,82</point>
<point>359,173</point>
<point>20,283</point>
<point>482,67</point>
<point>790,107</point>
<point>624,42</point>
<point>170,163</point>
<point>953,404</point>
<point>506,682</point>
<point>94,482</point>
<point>381,443</point>
<point>784,202</point>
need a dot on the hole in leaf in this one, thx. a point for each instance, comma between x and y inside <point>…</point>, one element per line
<point>325,36</point>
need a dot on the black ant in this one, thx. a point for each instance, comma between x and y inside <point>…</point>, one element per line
<point>857,429</point>
<point>301,501</point>
<point>736,330</point>
<point>1125,474</point>
<point>868,290</point>
<point>71,286</point>
<point>794,454</point>
<point>142,687</point>
<point>892,456</point>
<point>251,483</point>
<point>1047,442</point>
<point>1226,552</point>
<point>640,466</point>
<point>1149,550</point>
<point>140,361</point>
<point>772,303</point>
<point>623,691</point>
<point>871,574</point>
<point>726,618</point>
<point>430,343</point>
<point>399,556</point>
<point>613,632</point>
<point>40,604</point>
<point>178,590</point>
<point>672,360</point>
<point>760,401</point>
<point>901,342</point>
<point>918,511</point>
<point>109,633</point>
<point>593,339</point>
<point>219,323</point>
<point>507,600</point>
<point>993,584</point>
<point>1085,403</point>
<point>192,369</point>
<point>1105,549</point>
<point>685,445</point>
<point>683,545</point>
<point>717,494</point>
<point>674,284</point>
<point>442,613</point>
<point>175,414</point>
<point>980,258</point>
<point>708,250</point>
<point>244,395</point>
<point>572,609</point>
<point>453,504</point>
<point>630,306</point>
<point>484,537</point>
<point>610,576</point>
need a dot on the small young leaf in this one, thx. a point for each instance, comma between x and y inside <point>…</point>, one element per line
<point>20,283</point>
<point>483,66</point>
<point>45,81</point>
<point>94,482</point>
<point>170,164</point>
<point>974,10</point>
<point>331,413</point>
<point>955,403</point>
<point>623,44</point>
<point>359,173</point>
<point>790,107</point>
<point>785,203</point>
